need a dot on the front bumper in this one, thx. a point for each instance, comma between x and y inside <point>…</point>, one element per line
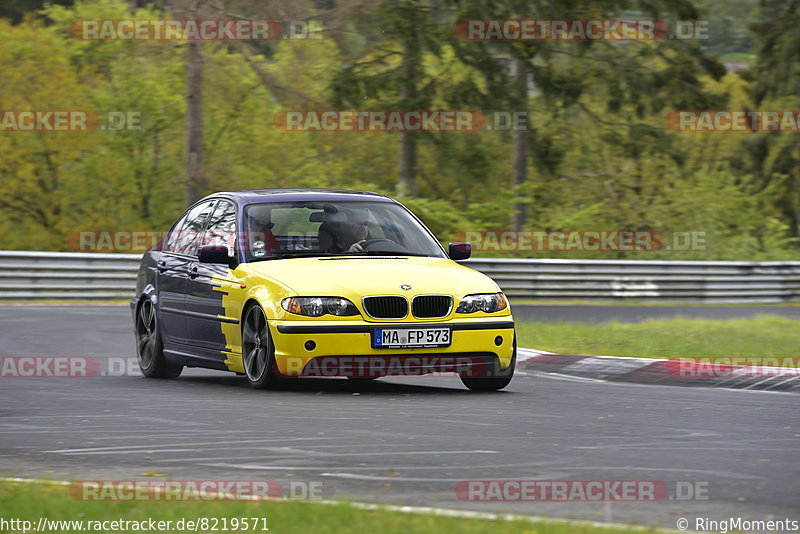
<point>345,348</point>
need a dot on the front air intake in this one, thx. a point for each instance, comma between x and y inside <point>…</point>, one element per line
<point>431,306</point>
<point>386,307</point>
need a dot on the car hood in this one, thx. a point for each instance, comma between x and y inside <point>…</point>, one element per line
<point>354,277</point>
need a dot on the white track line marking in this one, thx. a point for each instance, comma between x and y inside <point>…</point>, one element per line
<point>355,476</point>
<point>781,382</point>
<point>570,378</point>
<point>256,467</point>
<point>150,446</point>
<point>130,452</point>
<point>312,454</point>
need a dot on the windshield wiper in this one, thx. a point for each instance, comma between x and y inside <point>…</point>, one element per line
<point>295,254</point>
<point>391,253</point>
<point>310,254</point>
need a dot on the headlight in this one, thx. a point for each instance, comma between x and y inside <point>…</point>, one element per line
<point>319,306</point>
<point>489,303</point>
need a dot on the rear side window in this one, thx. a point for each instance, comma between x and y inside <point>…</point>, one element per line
<point>172,237</point>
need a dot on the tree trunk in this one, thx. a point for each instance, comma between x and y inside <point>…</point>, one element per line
<point>195,181</point>
<point>407,165</point>
<point>797,207</point>
<point>407,185</point>
<point>520,155</point>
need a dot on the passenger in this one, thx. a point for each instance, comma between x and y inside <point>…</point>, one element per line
<point>262,240</point>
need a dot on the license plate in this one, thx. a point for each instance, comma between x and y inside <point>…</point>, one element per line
<point>410,338</point>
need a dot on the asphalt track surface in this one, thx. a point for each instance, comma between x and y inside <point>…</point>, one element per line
<point>401,440</point>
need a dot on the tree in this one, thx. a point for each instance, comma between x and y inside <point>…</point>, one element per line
<point>634,77</point>
<point>391,75</point>
<point>195,181</point>
<point>775,84</point>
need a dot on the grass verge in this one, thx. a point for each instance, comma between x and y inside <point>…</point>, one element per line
<point>31,501</point>
<point>762,336</point>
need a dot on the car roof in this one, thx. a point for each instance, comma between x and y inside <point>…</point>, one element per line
<point>251,196</point>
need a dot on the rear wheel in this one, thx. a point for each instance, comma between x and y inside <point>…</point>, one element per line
<point>258,352</point>
<point>150,347</point>
<point>494,378</point>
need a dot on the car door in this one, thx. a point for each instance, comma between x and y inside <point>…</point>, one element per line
<point>207,285</point>
<point>173,267</point>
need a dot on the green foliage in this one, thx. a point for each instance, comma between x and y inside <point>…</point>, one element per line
<point>728,23</point>
<point>601,156</point>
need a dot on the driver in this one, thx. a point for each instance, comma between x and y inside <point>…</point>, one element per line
<point>354,231</point>
<point>347,231</point>
<point>344,231</point>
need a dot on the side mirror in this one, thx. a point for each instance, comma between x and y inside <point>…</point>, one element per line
<point>214,254</point>
<point>459,251</point>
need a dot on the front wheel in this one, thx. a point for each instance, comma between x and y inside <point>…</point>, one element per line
<point>150,347</point>
<point>494,378</point>
<point>258,352</point>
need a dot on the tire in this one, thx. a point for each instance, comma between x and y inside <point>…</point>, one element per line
<point>150,346</point>
<point>258,351</point>
<point>495,378</point>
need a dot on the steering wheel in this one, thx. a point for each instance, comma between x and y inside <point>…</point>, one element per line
<point>369,245</point>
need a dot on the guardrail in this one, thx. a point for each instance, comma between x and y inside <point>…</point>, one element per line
<point>88,276</point>
<point>67,275</point>
<point>699,281</point>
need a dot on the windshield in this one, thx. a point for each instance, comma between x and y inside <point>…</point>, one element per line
<point>306,228</point>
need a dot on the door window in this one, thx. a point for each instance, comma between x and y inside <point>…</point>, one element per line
<point>221,228</point>
<point>188,235</point>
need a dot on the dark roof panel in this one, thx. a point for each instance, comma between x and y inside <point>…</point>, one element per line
<point>294,194</point>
